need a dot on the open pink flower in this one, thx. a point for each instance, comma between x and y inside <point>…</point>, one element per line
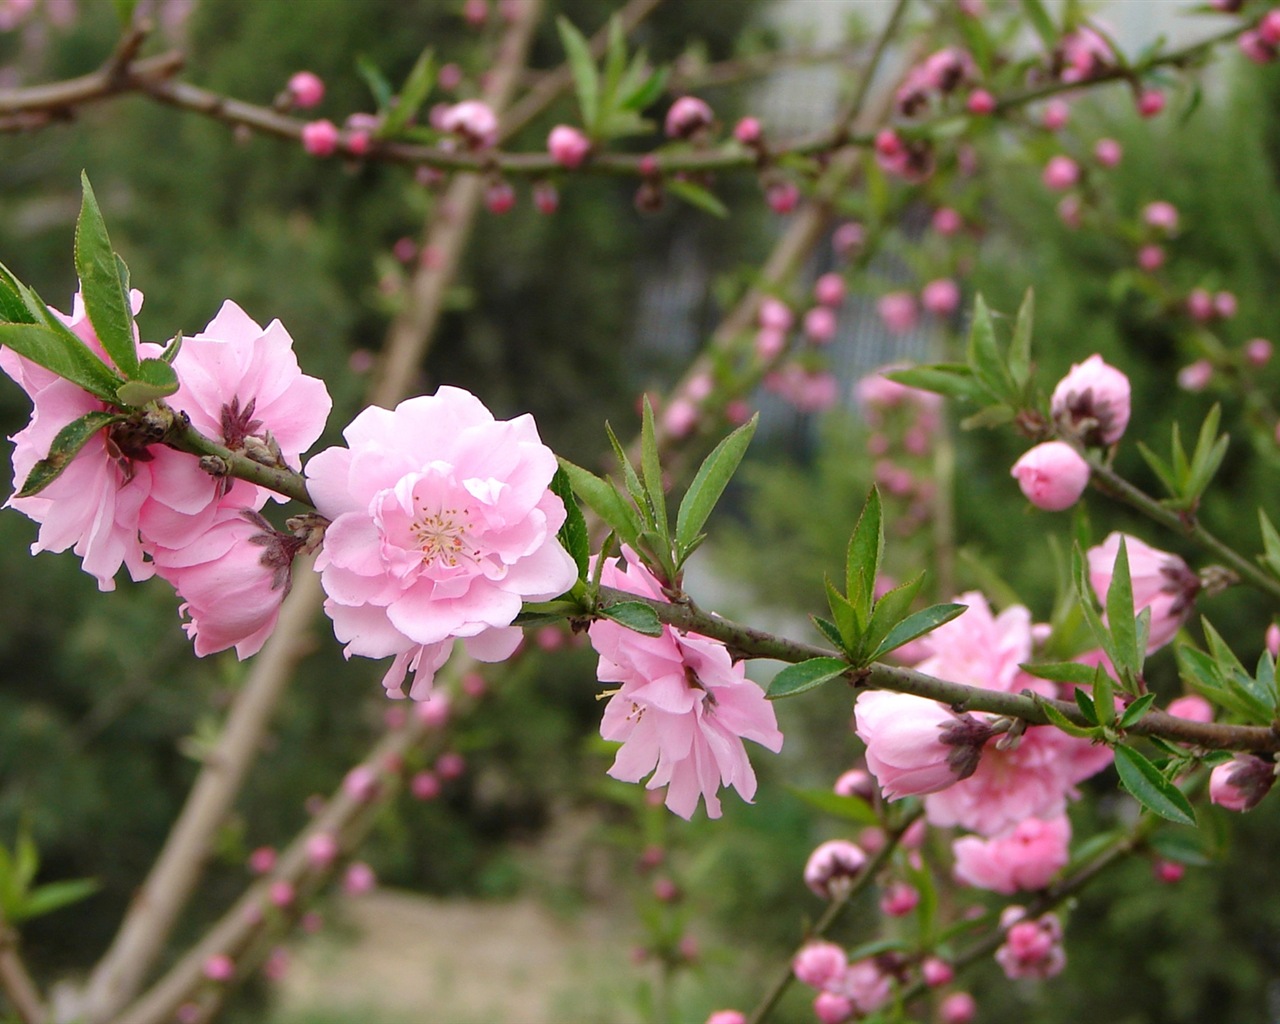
<point>1161,581</point>
<point>1032,949</point>
<point>683,709</point>
<point>442,526</point>
<point>1025,857</point>
<point>979,648</point>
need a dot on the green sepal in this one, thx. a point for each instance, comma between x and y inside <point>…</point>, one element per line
<point>66,445</point>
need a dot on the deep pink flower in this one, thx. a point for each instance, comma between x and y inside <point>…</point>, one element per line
<point>683,709</point>
<point>1024,858</point>
<point>832,1008</point>
<point>1092,401</point>
<point>1161,581</point>
<point>442,525</point>
<point>320,138</point>
<point>981,102</point>
<point>1052,475</point>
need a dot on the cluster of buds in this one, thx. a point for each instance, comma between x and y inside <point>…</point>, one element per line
<point>939,75</point>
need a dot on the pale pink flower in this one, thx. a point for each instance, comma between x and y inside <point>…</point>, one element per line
<point>832,1008</point>
<point>958,1008</point>
<point>855,782</point>
<point>1195,376</point>
<point>442,525</point>
<point>980,648</point>
<point>1085,54</point>
<point>1161,215</point>
<point>1257,352</point>
<point>1052,475</point>
<point>1092,401</point>
<point>322,849</point>
<point>1055,115</point>
<point>1024,858</point>
<point>727,1017</point>
<point>683,709</point>
<point>947,221</point>
<point>936,972</point>
<point>775,315</point>
<point>1241,783</point>
<point>568,146</point>
<point>358,879</point>
<point>898,311</point>
<point>916,746</point>
<point>262,860</point>
<point>832,867</point>
<point>820,324</point>
<point>1032,949</point>
<point>1192,707</point>
<point>899,899</point>
<point>1151,258</point>
<point>1161,581</point>
<point>819,963</point>
<point>219,968</point>
<point>865,985</point>
<point>941,297</point>
<point>474,121</point>
<point>829,290</point>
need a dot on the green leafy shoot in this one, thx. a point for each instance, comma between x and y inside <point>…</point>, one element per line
<point>1270,557</point>
<point>586,80</point>
<point>1151,789</point>
<point>984,356</point>
<point>103,286</point>
<point>708,485</point>
<point>635,615</point>
<point>651,470</point>
<point>862,562</point>
<point>414,92</point>
<point>806,676</point>
<point>697,195</point>
<point>378,83</point>
<point>1186,479</point>
<point>605,500</point>
<point>63,353</point>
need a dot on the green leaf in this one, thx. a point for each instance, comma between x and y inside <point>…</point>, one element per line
<point>1041,22</point>
<point>1127,659</point>
<point>916,625</point>
<point>845,616</point>
<point>1134,712</point>
<point>635,615</point>
<point>586,81</point>
<point>375,80</point>
<point>1202,673</point>
<point>805,676</point>
<point>1270,558</point>
<point>696,195</point>
<point>414,92</point>
<point>1060,721</point>
<point>638,494</point>
<point>13,308</point>
<point>708,485</point>
<point>1207,458</point>
<point>647,91</point>
<point>1184,847</point>
<point>54,896</point>
<point>124,11</point>
<point>829,629</point>
<point>153,379</point>
<point>1084,598</point>
<point>26,860</point>
<point>891,609</point>
<point>1020,348</point>
<point>573,534</point>
<point>850,808</point>
<point>651,468</point>
<point>66,445</point>
<point>1062,672</point>
<point>603,498</point>
<point>1104,696</point>
<point>953,380</point>
<point>991,416</point>
<point>1161,469</point>
<point>615,62</point>
<point>64,354</point>
<point>862,563</point>
<point>1087,708</point>
<point>1151,789</point>
<point>984,354</point>
<point>105,300</point>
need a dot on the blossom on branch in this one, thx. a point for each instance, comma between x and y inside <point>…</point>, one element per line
<point>684,706</point>
<point>442,526</point>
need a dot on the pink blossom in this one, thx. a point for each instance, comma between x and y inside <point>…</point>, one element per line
<point>865,985</point>
<point>320,138</point>
<point>1069,212</point>
<point>1150,258</point>
<point>219,968</point>
<point>281,893</point>
<point>262,860</point>
<point>450,765</point>
<point>947,221</point>
<point>358,879</point>
<point>568,146</point>
<point>475,12</point>
<point>1052,475</point>
<point>916,746</point>
<point>775,315</point>
<point>832,867</point>
<point>936,972</point>
<point>820,325</point>
<point>941,297</point>
<point>306,88</point>
<point>782,195</point>
<point>832,1008</point>
<point>276,966</point>
<point>899,899</point>
<point>1257,49</point>
<point>981,102</point>
<point>1150,102</point>
<point>546,198</point>
<point>1195,376</point>
<point>1241,783</point>
<point>1024,858</point>
<point>680,418</point>
<point>1168,872</point>
<point>1032,949</point>
<point>1085,54</point>
<point>1200,305</point>
<point>683,709</point>
<point>1161,582</point>
<point>727,1017</point>
<point>829,290</point>
<point>748,131</point>
<point>1192,707</point>
<point>807,390</point>
<point>434,711</point>
<point>361,784</point>
<point>442,524</point>
<point>1108,152</point>
<point>898,311</point>
<point>980,648</point>
<point>1161,215</point>
<point>499,197</point>
<point>855,782</point>
<point>876,393</point>
<point>1257,352</point>
<point>322,849</point>
<point>473,121</point>
<point>425,786</point>
<point>819,963</point>
<point>1092,401</point>
<point>1269,27</point>
<point>1060,173</point>
<point>687,116</point>
<point>769,343</point>
<point>1055,115</point>
<point>1272,640</point>
<point>848,238</point>
<point>1225,305</point>
<point>957,1008</point>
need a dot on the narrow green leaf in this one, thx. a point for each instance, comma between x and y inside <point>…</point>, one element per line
<point>172,349</point>
<point>862,563</point>
<point>805,676</point>
<point>124,11</point>
<point>1266,679</point>
<point>1041,22</point>
<point>615,64</point>
<point>1062,672</point>
<point>105,301</point>
<point>1085,703</point>
<point>950,379</point>
<point>377,82</point>
<point>638,494</point>
<point>651,469</point>
<point>66,445</point>
<point>984,357</point>
<point>1104,696</point>
<point>915,626</point>
<point>26,860</point>
<point>1178,458</point>
<point>696,195</point>
<point>829,629</point>
<point>1134,712</point>
<point>1060,721</point>
<point>1270,558</point>
<point>1020,348</point>
<point>586,81</point>
<point>891,609</point>
<point>991,416</point>
<point>846,618</point>
<point>1151,789</point>
<point>1120,618</point>
<point>647,91</point>
<point>1084,598</point>
<point>602,497</point>
<point>64,354</point>
<point>635,615</point>
<point>708,485</point>
<point>54,896</point>
<point>1184,847</point>
<point>850,808</point>
<point>13,309</point>
<point>1161,469</point>
<point>1201,672</point>
<point>414,92</point>
<point>152,380</point>
<point>573,534</point>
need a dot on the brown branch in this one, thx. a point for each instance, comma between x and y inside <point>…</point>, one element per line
<point>59,99</point>
<point>15,980</point>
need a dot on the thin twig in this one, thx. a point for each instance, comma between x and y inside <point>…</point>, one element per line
<point>16,982</point>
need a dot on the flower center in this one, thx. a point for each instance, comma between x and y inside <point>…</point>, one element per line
<point>443,536</point>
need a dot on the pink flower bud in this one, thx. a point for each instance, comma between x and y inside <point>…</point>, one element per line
<point>775,315</point>
<point>1150,102</point>
<point>1161,215</point>
<point>941,297</point>
<point>848,239</point>
<point>665,890</point>
<point>1032,949</point>
<point>1195,376</point>
<point>1052,475</point>
<point>1056,114</point>
<point>322,849</point>
<point>358,143</point>
<point>307,89</point>
<point>680,418</point>
<point>1200,305</point>
<point>450,765</point>
<point>899,899</point>
<point>829,290</point>
<point>957,1008</point>
<point>546,199</point>
<point>1060,173</point>
<point>474,685</point>
<point>727,1017</point>
<point>1150,258</point>
<point>359,879</point>
<point>770,343</point>
<point>783,196</point>
<point>424,786</point>
<point>855,782</point>
<point>1257,352</point>
<point>281,893</point>
<point>981,103</point>
<point>262,860</point>
<point>1192,707</point>
<point>320,138</point>
<point>936,972</point>
<point>188,1013</point>
<point>1093,402</point>
<point>1273,640</point>
<point>947,221</point>
<point>832,1008</point>
<point>475,12</point>
<point>820,325</point>
<point>687,116</point>
<point>1168,871</point>
<point>219,968</point>
<point>568,146</point>
<point>1269,27</point>
<point>405,250</point>
<point>1069,211</point>
<point>473,121</point>
<point>916,746</point>
<point>737,412</point>
<point>1255,48</point>
<point>433,712</point>
<point>1241,783</point>
<point>361,784</point>
<point>500,198</point>
<point>819,963</point>
<point>1108,152</point>
<point>449,77</point>
<point>898,311</point>
<point>748,131</point>
<point>832,867</point>
<point>888,143</point>
<point>1225,305</point>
